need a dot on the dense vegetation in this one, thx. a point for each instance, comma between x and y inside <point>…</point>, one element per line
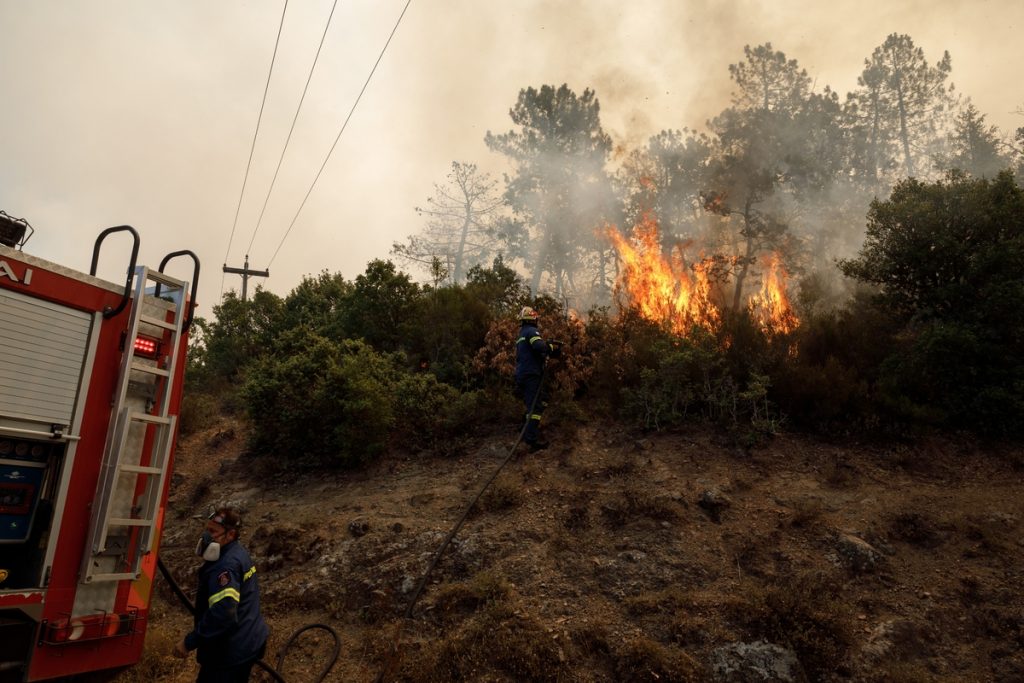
<point>337,370</point>
<point>919,327</point>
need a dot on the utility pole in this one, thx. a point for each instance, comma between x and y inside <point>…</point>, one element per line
<point>246,274</point>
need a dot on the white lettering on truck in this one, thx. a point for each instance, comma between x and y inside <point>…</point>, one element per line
<point>7,271</point>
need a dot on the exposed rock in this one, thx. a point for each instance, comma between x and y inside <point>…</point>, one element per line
<point>757,662</point>
<point>220,437</point>
<point>358,527</point>
<point>857,554</point>
<point>713,502</point>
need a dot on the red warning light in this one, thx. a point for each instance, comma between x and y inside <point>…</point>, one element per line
<point>146,347</point>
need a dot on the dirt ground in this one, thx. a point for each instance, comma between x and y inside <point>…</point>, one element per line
<point>623,557</point>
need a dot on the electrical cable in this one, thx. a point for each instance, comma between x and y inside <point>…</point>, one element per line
<point>255,135</point>
<point>392,657</point>
<point>343,126</point>
<point>331,661</point>
<point>292,129</point>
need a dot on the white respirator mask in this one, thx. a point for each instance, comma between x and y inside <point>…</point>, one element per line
<point>207,548</point>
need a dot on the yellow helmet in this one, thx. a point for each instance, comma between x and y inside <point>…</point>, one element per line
<point>528,315</point>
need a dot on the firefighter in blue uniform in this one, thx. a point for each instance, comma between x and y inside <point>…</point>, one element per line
<point>532,352</point>
<point>230,634</point>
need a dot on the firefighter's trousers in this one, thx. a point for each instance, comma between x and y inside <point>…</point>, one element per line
<point>535,401</point>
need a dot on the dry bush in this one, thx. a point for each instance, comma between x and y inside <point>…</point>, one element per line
<point>667,600</point>
<point>915,528</point>
<point>641,659</point>
<point>483,588</point>
<point>806,512</point>
<point>496,643</point>
<point>504,493</point>
<point>803,613</point>
<point>198,411</point>
<point>157,663</point>
<point>642,503</point>
<point>838,471</point>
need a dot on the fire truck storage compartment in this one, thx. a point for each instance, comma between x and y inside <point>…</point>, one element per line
<point>43,346</point>
<point>29,472</point>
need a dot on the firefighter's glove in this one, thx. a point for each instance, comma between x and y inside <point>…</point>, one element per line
<point>556,349</point>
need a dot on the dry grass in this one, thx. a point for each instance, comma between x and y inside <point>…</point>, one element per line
<point>804,613</point>
<point>504,493</point>
<point>496,643</point>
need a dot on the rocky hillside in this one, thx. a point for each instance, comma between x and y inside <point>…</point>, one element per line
<point>617,557</point>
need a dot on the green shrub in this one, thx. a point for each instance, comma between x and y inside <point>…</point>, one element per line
<point>198,411</point>
<point>316,402</point>
<point>433,415</point>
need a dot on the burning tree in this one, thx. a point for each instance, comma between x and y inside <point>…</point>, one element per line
<point>683,295</point>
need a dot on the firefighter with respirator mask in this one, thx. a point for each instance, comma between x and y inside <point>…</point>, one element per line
<point>532,351</point>
<point>230,634</point>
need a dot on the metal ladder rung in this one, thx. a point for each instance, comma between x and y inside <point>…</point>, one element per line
<point>151,419</point>
<point>150,369</point>
<point>130,521</point>
<point>157,276</point>
<point>141,469</point>
<point>158,322</point>
<point>111,577</point>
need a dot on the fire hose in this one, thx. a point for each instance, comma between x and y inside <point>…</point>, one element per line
<point>393,655</point>
<point>284,648</point>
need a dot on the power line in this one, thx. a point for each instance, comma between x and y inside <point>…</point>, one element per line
<point>292,129</point>
<point>347,118</point>
<point>252,149</point>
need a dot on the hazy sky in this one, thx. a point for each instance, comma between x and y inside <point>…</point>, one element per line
<point>143,112</point>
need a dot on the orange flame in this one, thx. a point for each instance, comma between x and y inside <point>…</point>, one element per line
<point>770,307</point>
<point>663,291</point>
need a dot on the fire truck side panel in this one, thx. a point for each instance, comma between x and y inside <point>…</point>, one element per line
<point>75,328</point>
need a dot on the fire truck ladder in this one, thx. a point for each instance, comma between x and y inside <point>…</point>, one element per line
<point>123,528</point>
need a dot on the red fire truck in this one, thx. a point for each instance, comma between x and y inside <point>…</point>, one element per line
<point>90,384</point>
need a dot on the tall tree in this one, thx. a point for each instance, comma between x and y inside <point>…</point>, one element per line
<point>461,228</point>
<point>666,178</point>
<point>559,188</point>
<point>974,146</point>
<point>902,100</point>
<point>777,137</point>
<point>769,81</point>
<point>946,258</point>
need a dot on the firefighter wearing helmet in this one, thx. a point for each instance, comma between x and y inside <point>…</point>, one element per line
<point>531,353</point>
